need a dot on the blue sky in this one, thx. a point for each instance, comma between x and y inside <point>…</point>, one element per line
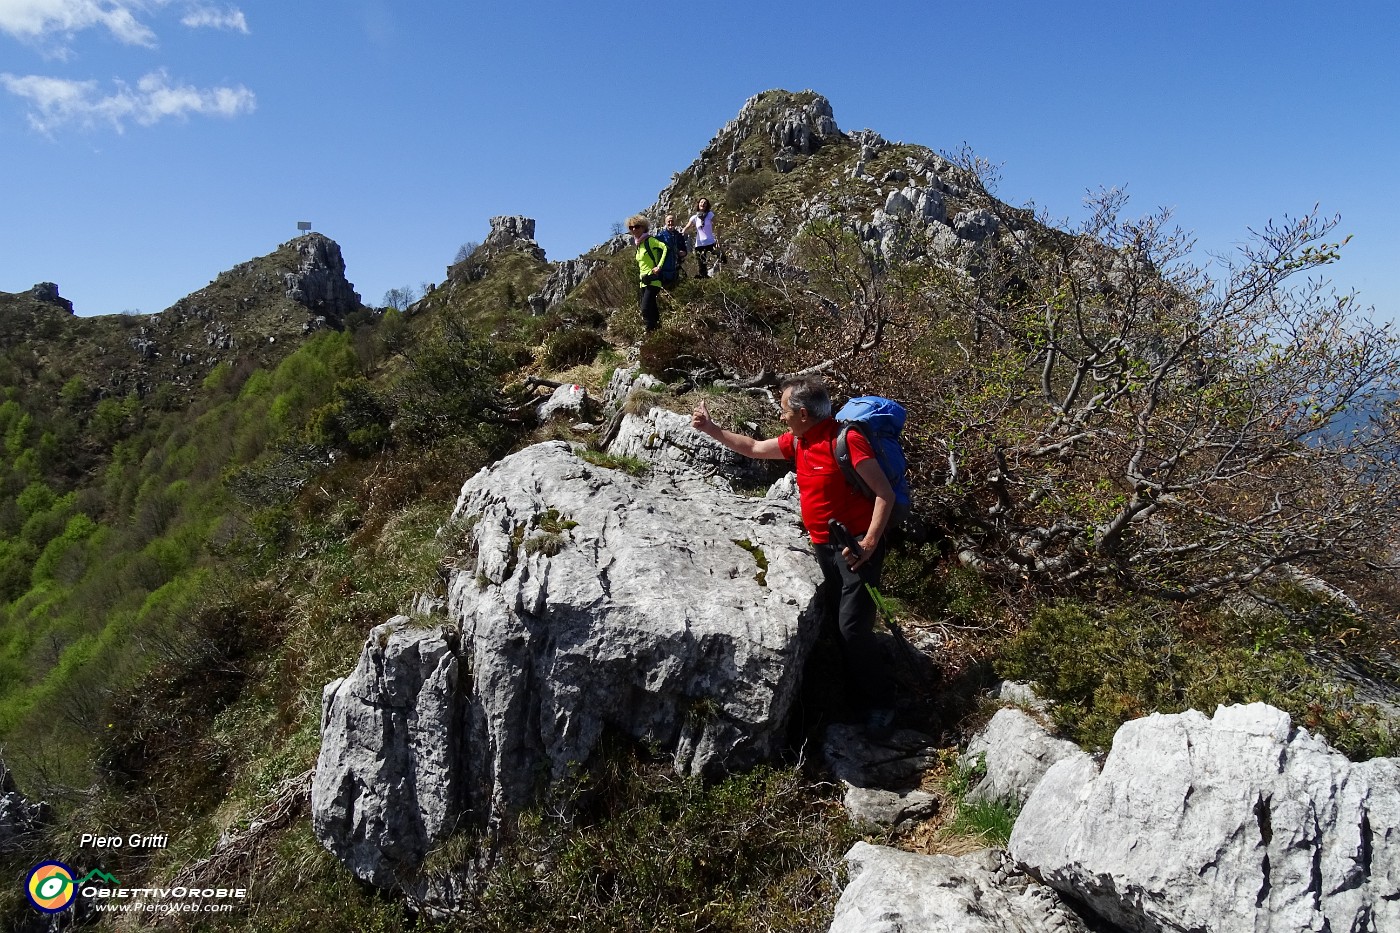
<point>147,145</point>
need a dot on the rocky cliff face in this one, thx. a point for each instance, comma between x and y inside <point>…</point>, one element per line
<point>791,126</point>
<point>1236,822</point>
<point>318,283</point>
<point>19,817</point>
<point>392,773</point>
<point>47,293</point>
<point>512,233</point>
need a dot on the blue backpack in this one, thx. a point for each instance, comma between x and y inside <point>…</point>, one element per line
<point>879,420</point>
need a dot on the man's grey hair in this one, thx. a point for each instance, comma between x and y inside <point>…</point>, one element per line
<point>809,393</point>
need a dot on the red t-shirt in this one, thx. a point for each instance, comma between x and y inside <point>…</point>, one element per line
<point>822,487</point>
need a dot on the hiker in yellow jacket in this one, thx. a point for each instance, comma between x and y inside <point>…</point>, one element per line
<point>651,253</point>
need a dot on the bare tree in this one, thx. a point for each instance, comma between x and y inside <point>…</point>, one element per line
<point>1127,416</point>
<point>470,262</point>
<point>1091,406</point>
<point>400,298</point>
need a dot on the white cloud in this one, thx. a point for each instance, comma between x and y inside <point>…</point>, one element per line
<point>37,20</point>
<point>58,102</point>
<point>209,17</point>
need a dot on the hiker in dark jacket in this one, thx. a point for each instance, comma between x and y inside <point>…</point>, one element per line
<point>827,496</point>
<point>675,252</point>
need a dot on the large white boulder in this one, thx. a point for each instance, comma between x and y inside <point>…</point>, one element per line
<point>666,440</point>
<point>1238,823</point>
<point>663,608</point>
<point>586,601</point>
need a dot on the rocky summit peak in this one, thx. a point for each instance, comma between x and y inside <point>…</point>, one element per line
<point>774,133</point>
<point>47,292</point>
<point>254,314</point>
<point>513,232</point>
<point>789,125</point>
<point>318,283</point>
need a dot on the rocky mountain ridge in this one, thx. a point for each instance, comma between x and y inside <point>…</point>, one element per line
<point>252,314</point>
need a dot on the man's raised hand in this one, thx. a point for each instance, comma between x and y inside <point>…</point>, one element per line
<point>700,418</point>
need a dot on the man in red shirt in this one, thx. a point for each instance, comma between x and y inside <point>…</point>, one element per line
<point>825,494</point>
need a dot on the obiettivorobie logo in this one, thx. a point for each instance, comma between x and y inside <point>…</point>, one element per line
<point>51,885</point>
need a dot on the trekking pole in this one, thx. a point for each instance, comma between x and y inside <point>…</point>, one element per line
<point>843,537</point>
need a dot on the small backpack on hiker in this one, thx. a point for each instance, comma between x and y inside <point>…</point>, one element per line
<point>880,421</point>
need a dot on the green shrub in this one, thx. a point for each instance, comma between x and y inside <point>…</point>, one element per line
<point>46,524</point>
<point>745,189</point>
<point>625,325</point>
<point>571,346</point>
<point>451,385</point>
<point>355,420</point>
<point>552,522</point>
<point>669,350</point>
<point>219,378</point>
<point>36,497</point>
<point>64,556</point>
<point>1104,667</point>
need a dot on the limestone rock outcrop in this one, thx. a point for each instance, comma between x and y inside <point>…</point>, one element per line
<point>976,225</point>
<point>800,130</point>
<point>892,891</point>
<point>390,779</point>
<point>666,439</point>
<point>562,279</point>
<point>512,232</point>
<point>666,609</point>
<point>881,778</point>
<point>792,126</point>
<point>925,205</point>
<point>584,602</point>
<point>1016,752</point>
<point>319,282</point>
<point>568,401</point>
<point>620,386</point>
<point>47,292</point>
<point>1236,823</point>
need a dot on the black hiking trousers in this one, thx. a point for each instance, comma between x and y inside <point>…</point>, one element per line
<point>651,312</point>
<point>849,606</point>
